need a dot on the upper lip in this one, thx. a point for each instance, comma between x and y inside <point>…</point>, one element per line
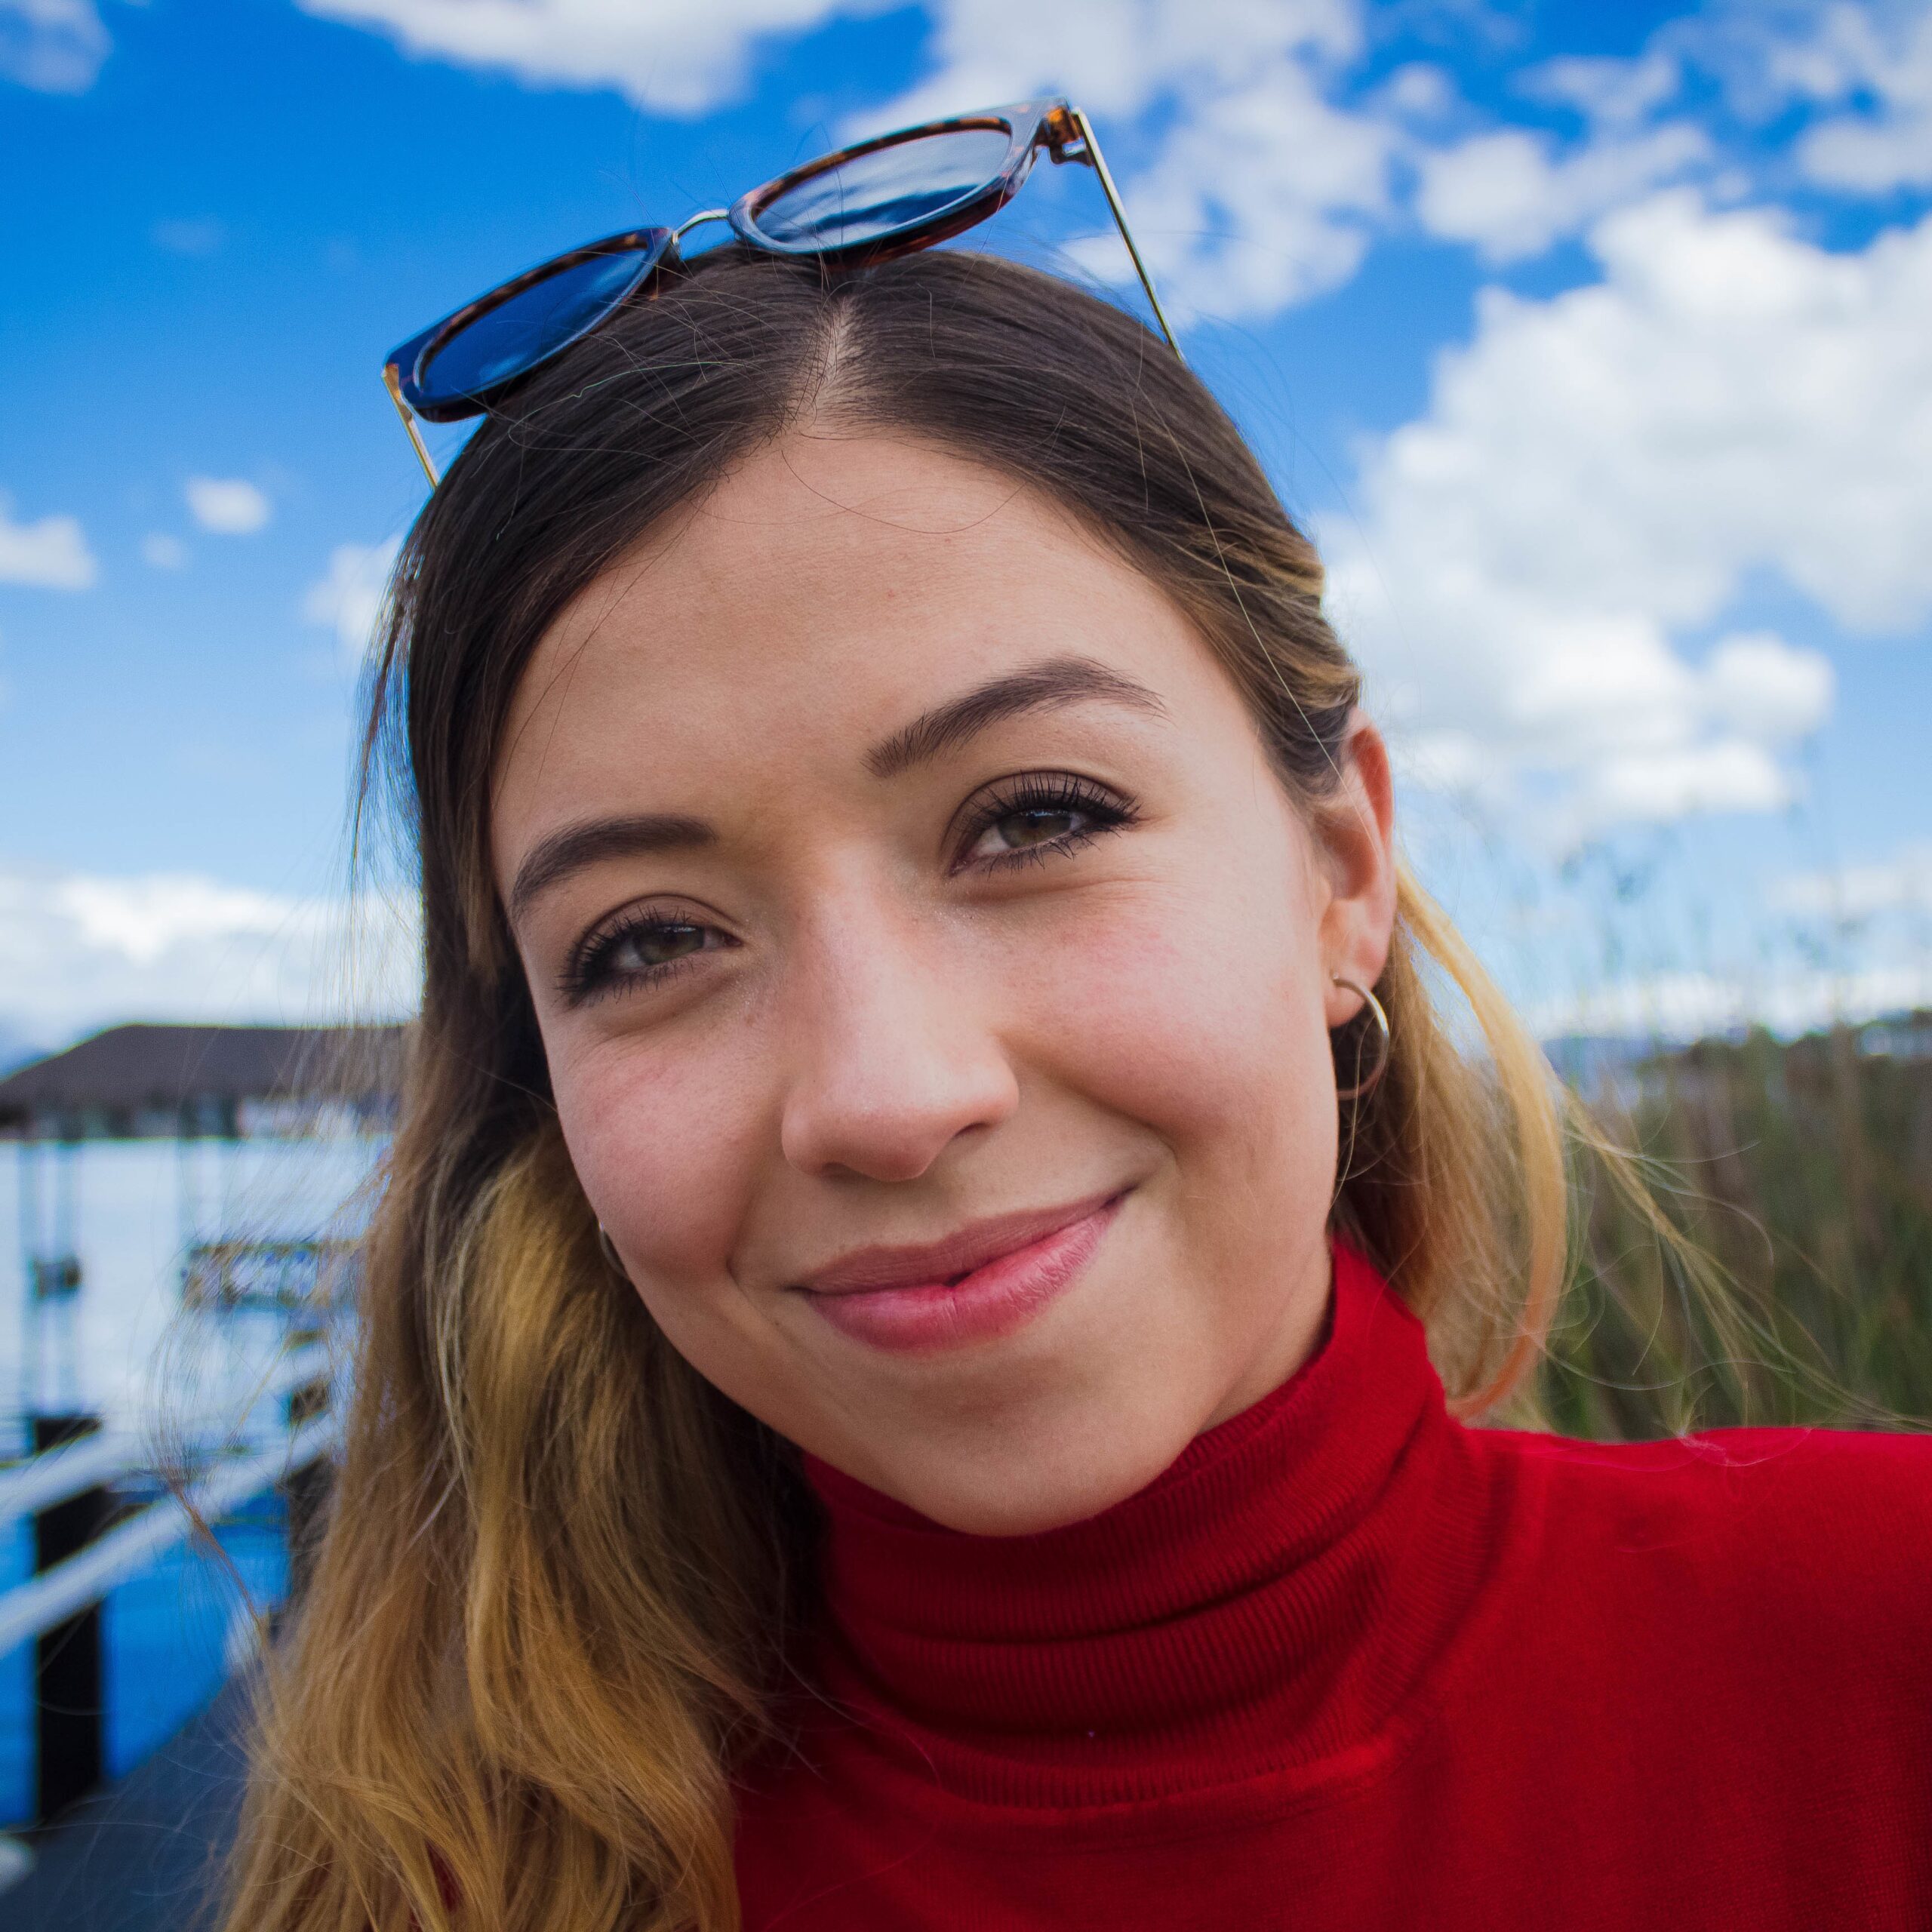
<point>874,1268</point>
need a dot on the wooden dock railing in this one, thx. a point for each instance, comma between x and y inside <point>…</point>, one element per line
<point>67,1490</point>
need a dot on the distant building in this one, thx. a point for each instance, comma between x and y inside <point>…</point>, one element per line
<point>215,1166</point>
<point>144,1083</point>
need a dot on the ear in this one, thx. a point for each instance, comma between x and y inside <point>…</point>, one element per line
<point>1355,831</point>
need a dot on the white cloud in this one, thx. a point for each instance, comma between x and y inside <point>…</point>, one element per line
<point>1255,181</point>
<point>164,552</point>
<point>1512,192</point>
<point>1900,883</point>
<point>689,56</point>
<point>1512,196</point>
<point>1260,190</point>
<point>348,599</point>
<point>1859,72</point>
<point>229,505</point>
<point>1596,477</point>
<point>674,57</point>
<point>1420,92</point>
<point>1870,69</point>
<point>1674,781</point>
<point>56,46</point>
<point>1615,92</point>
<point>1761,687</point>
<point>1693,1005</point>
<point>1120,56</point>
<point>79,950</point>
<point>1257,198</point>
<point>51,555</point>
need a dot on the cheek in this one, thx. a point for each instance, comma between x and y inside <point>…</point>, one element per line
<point>663,1145</point>
<point>1197,1014</point>
<point>669,1148</point>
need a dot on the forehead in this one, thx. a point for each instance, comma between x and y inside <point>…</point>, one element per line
<point>829,589</point>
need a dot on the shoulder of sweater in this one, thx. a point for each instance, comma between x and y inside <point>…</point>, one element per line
<point>1833,1524</point>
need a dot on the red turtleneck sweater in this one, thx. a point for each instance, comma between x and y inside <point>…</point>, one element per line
<point>1350,1663</point>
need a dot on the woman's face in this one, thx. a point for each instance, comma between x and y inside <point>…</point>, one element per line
<point>896,869</point>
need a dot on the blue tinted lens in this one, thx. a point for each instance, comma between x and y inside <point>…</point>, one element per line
<point>872,195</point>
<point>516,335</point>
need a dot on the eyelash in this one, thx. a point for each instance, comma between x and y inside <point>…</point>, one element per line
<point>587,975</point>
<point>1052,793</point>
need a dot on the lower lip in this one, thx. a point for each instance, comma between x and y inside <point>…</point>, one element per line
<point>993,1300</point>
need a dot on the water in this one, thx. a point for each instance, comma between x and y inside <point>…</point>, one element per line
<point>168,1635</point>
<point>121,1348</point>
<point>118,1348</point>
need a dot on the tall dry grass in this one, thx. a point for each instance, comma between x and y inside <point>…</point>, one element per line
<point>1803,1169</point>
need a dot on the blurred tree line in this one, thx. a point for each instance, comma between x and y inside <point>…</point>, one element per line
<point>1799,1174</point>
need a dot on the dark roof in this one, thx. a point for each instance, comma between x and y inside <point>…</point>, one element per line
<point>129,1069</point>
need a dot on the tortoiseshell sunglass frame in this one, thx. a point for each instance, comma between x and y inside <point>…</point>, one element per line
<point>1063,130</point>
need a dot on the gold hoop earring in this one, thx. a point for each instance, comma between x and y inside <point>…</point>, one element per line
<point>1381,1018</point>
<point>608,1249</point>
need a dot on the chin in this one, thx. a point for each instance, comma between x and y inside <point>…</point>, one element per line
<point>1019,1496</point>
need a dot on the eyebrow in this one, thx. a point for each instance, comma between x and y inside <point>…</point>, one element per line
<point>1058,682</point>
<point>554,858</point>
<point>1050,686</point>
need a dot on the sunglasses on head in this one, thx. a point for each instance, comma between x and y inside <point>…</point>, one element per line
<point>884,197</point>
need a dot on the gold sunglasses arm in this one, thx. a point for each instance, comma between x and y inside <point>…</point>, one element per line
<point>1085,128</point>
<point>697,220</point>
<point>393,383</point>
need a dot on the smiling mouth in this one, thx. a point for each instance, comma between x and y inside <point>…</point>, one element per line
<point>887,1298</point>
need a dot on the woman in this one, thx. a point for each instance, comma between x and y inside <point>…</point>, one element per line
<point>921,1343</point>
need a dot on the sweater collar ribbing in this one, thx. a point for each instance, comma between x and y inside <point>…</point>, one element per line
<point>1268,1599</point>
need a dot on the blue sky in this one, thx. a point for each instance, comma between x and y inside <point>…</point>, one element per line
<point>1591,341</point>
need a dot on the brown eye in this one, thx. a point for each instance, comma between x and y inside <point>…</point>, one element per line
<point>1035,827</point>
<point>643,950</point>
<point>643,947</point>
<point>1034,818</point>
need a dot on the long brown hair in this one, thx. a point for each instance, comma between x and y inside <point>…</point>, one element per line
<point>554,1605</point>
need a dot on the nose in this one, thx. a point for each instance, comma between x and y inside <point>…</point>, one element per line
<point>894,1057</point>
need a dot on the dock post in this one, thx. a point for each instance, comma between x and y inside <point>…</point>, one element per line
<point>305,1492</point>
<point>70,1721</point>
